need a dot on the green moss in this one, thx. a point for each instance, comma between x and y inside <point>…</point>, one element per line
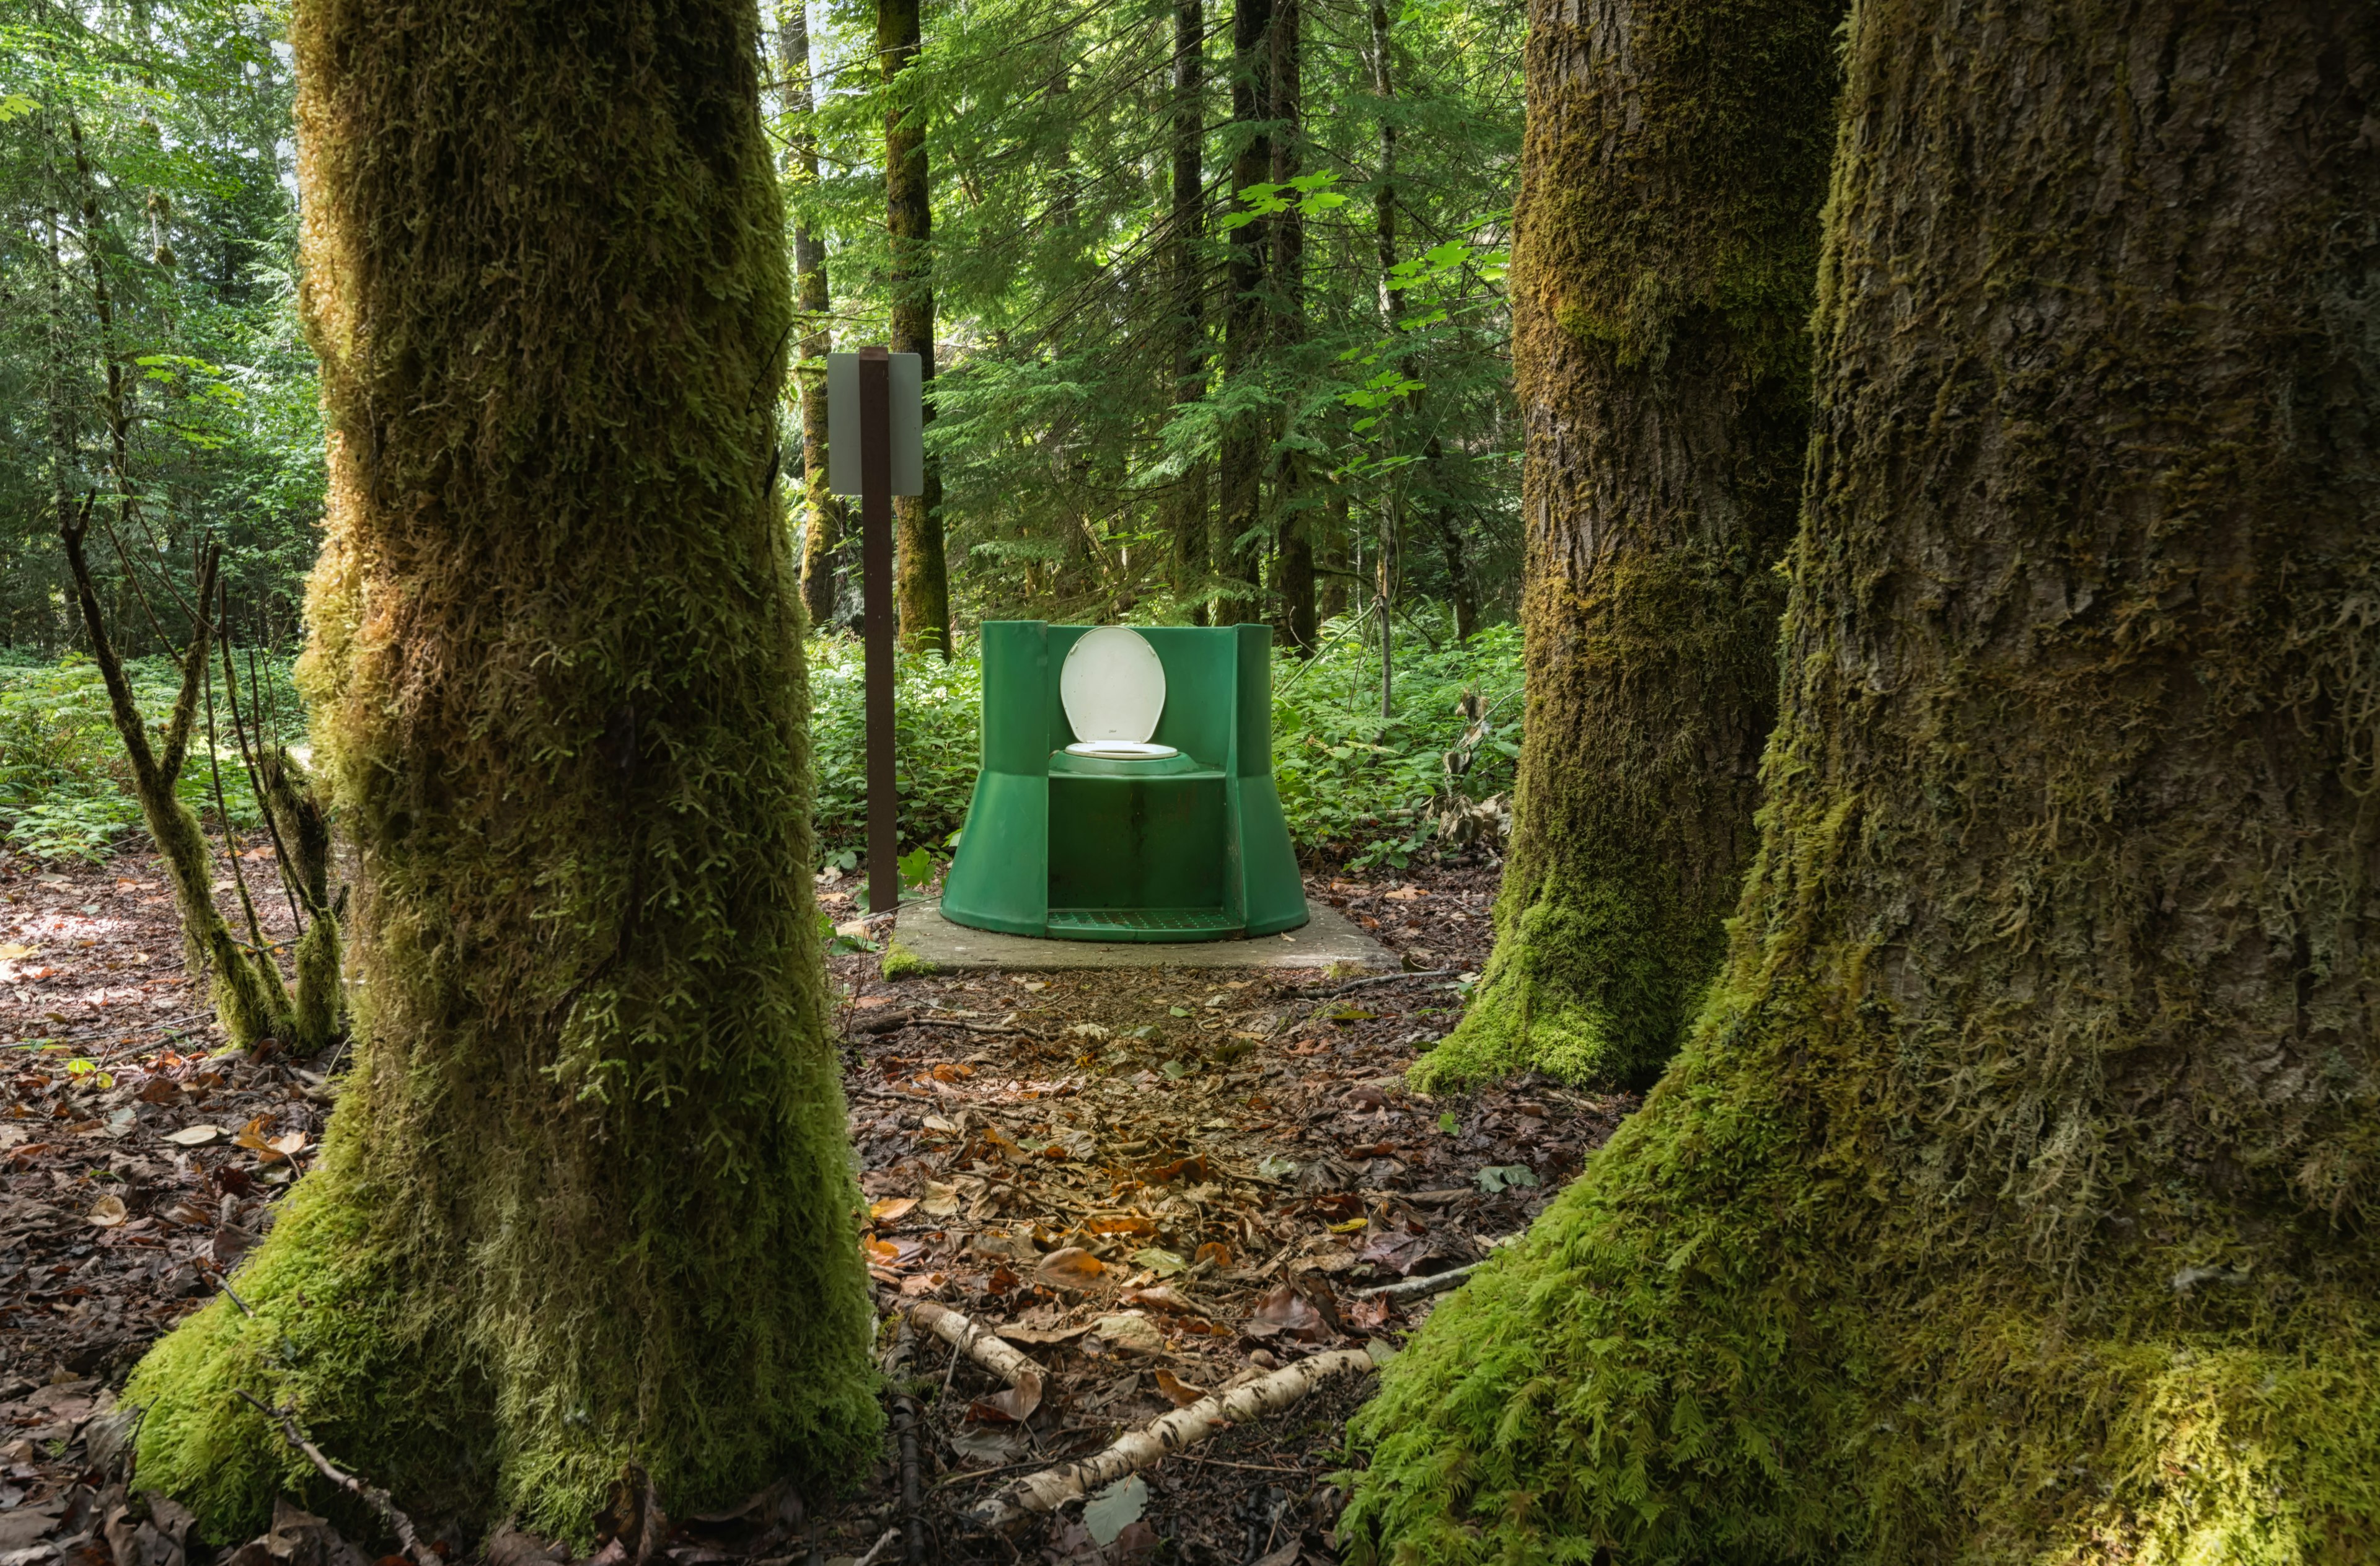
<point>1665,254</point>
<point>2009,1201</point>
<point>586,1201</point>
<point>900,961</point>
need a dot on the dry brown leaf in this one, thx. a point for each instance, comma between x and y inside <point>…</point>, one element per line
<point>1401,894</point>
<point>1129,1223</point>
<point>1012,1407</point>
<point>1180,1393</point>
<point>108,1212</point>
<point>1073,1267</point>
<point>1017,1334</point>
<point>1164,1296</point>
<point>1283,1309</point>
<point>882,1252</point>
<point>892,1207</point>
<point>1216,1252</point>
<point>942,1201</point>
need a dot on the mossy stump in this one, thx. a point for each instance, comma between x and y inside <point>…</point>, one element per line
<point>2012,1198</point>
<point>586,1201</point>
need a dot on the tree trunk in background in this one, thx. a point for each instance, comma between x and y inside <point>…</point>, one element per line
<point>1331,565</point>
<point>1240,460</point>
<point>823,529</point>
<point>1659,308</point>
<point>1444,517</point>
<point>2012,1199</point>
<point>923,589</point>
<point>1193,550</point>
<point>1286,298</point>
<point>585,1200</point>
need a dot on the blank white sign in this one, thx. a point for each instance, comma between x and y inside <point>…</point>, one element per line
<point>908,410</point>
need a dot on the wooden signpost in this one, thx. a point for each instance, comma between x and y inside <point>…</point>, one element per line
<point>876,450</point>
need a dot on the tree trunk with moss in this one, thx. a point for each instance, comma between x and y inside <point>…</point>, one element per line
<point>2012,1198</point>
<point>822,509</point>
<point>1665,249</point>
<point>585,1200</point>
<point>922,585</point>
<point>1193,560</point>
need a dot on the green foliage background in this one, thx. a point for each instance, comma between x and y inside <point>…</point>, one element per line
<point>1354,785</point>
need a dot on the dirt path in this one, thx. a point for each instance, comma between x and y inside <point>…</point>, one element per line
<point>1152,1180</point>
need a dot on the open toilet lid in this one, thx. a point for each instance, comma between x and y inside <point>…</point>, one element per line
<point>1113,690</point>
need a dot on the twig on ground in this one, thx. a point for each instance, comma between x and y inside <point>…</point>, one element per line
<point>980,1344</point>
<point>913,1490</point>
<point>1387,978</point>
<point>1414,1288</point>
<point>1053,1487</point>
<point>878,1548</point>
<point>378,1499</point>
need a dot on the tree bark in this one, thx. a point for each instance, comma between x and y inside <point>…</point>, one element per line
<point>1286,299</point>
<point>1239,458</point>
<point>1665,250</point>
<point>923,589</point>
<point>2012,1200</point>
<point>586,1201</point>
<point>1194,552</point>
<point>822,509</point>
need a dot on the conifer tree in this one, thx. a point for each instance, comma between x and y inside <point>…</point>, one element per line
<point>1665,246</point>
<point>2012,1197</point>
<point>585,1203</point>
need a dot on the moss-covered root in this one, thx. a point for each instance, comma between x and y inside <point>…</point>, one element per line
<point>1582,987</point>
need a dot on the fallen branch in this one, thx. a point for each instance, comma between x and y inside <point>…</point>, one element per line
<point>378,1499</point>
<point>878,1547</point>
<point>1414,1288</point>
<point>979,1343</point>
<point>912,1489</point>
<point>1053,1487</point>
<point>1387,978</point>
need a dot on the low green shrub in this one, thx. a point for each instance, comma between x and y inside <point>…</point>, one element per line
<point>1354,785</point>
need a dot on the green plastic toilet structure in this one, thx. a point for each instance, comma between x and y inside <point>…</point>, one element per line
<point>1126,791</point>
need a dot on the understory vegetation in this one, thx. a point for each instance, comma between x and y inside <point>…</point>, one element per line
<point>1357,787</point>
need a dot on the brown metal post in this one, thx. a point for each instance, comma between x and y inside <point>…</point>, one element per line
<point>876,568</point>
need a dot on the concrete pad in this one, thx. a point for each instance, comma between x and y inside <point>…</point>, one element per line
<point>1329,936</point>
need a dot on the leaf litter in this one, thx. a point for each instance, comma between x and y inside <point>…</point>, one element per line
<point>1159,1183</point>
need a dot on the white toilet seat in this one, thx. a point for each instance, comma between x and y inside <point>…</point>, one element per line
<point>1113,688</point>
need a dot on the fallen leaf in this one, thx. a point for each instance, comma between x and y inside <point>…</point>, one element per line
<point>1350,1227</point>
<point>952,1071</point>
<point>1131,1330</point>
<point>1164,1296</point>
<point>880,1252</point>
<point>1214,1251</point>
<point>1371,1315</point>
<point>994,1448</point>
<point>891,1207</point>
<point>1016,1332</point>
<point>1180,1393</point>
<point>1129,1223</point>
<point>1401,894</point>
<point>1158,1259</point>
<point>865,1002</point>
<point>936,1123</point>
<point>195,1136</point>
<point>1283,1309</point>
<point>1497,1177</point>
<point>13,951</point>
<point>106,1212</point>
<point>1073,1267</point>
<point>1014,1406</point>
<point>921,1284</point>
<point>1114,1509</point>
<point>942,1201</point>
<point>160,1091</point>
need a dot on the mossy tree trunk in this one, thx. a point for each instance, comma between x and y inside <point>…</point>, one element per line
<point>1664,249</point>
<point>922,586</point>
<point>2012,1200</point>
<point>586,1201</point>
<point>822,509</point>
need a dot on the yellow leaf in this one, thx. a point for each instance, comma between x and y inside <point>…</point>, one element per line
<point>1349,1227</point>
<point>106,1212</point>
<point>13,951</point>
<point>891,1207</point>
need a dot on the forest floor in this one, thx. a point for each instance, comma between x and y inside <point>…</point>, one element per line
<point>1157,1183</point>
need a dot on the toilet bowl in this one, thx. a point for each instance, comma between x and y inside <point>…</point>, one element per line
<point>1113,688</point>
